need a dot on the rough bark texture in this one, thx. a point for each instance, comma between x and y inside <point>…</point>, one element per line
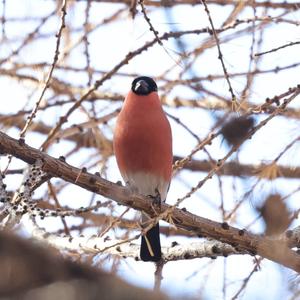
<point>240,239</point>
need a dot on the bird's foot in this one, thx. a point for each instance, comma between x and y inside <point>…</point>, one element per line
<point>156,200</point>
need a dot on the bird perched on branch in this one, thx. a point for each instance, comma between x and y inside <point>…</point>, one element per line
<point>143,148</point>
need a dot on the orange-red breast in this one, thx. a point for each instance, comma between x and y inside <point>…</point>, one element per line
<point>143,148</point>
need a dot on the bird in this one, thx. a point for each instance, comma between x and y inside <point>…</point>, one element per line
<point>143,148</point>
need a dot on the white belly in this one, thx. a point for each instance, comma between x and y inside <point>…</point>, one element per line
<point>147,184</point>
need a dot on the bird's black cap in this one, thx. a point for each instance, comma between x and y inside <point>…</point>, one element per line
<point>143,85</point>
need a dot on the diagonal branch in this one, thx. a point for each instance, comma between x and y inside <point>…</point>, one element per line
<point>239,239</point>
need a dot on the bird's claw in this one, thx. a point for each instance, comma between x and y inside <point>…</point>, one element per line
<point>156,199</point>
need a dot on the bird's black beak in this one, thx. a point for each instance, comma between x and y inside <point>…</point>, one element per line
<point>141,88</point>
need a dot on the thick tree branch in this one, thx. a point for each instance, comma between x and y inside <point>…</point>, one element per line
<point>125,248</point>
<point>30,271</point>
<point>239,239</point>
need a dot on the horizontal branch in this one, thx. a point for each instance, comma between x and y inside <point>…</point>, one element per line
<point>208,103</point>
<point>84,138</point>
<point>233,168</point>
<point>241,240</point>
<point>97,220</point>
<point>125,249</point>
<point>166,3</point>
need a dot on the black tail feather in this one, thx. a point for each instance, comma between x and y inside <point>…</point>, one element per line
<point>152,237</point>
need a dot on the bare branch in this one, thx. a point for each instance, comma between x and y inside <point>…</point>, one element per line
<point>240,239</point>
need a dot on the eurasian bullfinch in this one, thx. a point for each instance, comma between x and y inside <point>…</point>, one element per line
<point>143,148</point>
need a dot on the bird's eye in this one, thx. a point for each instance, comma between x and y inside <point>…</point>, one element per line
<point>141,88</point>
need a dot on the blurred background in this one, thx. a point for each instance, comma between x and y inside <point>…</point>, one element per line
<point>222,70</point>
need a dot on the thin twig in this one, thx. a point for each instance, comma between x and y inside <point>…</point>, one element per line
<point>278,48</point>
<point>58,39</point>
<point>220,57</point>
